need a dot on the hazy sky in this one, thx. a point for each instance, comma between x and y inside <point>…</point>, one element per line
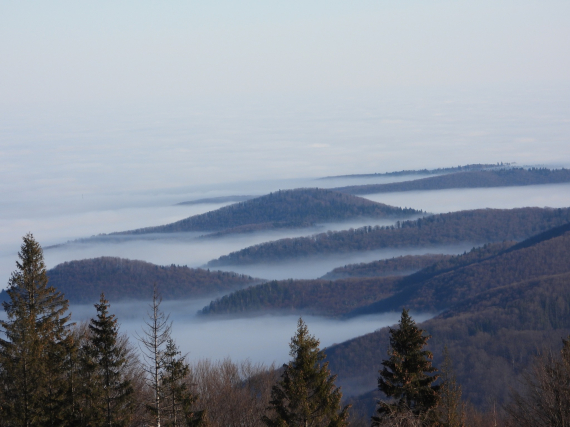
<point>110,107</point>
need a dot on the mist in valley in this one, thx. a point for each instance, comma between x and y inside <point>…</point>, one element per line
<point>262,339</point>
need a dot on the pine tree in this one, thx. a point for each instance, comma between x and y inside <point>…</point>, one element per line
<point>405,377</point>
<point>37,342</point>
<point>110,398</point>
<point>177,398</point>
<point>306,395</point>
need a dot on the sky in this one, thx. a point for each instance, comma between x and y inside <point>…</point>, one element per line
<point>111,112</point>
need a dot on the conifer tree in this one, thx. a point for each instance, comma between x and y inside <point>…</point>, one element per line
<point>36,341</point>
<point>110,393</point>
<point>306,395</point>
<point>405,377</point>
<point>178,400</point>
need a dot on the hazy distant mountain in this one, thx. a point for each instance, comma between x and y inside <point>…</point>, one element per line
<point>472,179</point>
<point>438,171</point>
<point>222,199</point>
<point>474,227</point>
<point>123,279</point>
<point>287,208</point>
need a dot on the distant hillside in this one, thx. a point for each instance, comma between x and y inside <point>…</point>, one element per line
<point>474,227</point>
<point>471,179</point>
<point>123,279</point>
<point>397,266</point>
<point>501,310</point>
<point>335,298</point>
<point>449,287</point>
<point>473,167</point>
<point>315,297</point>
<point>288,208</point>
<point>222,199</point>
<point>492,338</point>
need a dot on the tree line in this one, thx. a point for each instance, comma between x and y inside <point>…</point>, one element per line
<point>54,373</point>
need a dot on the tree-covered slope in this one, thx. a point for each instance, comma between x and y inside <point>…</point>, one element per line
<point>491,339</point>
<point>288,208</point>
<point>446,288</point>
<point>339,297</point>
<point>471,179</point>
<point>123,279</point>
<point>473,227</point>
<point>315,297</point>
<point>397,266</point>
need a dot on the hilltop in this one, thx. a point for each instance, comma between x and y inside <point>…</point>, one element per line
<point>124,279</point>
<point>473,227</point>
<point>510,177</point>
<point>288,208</point>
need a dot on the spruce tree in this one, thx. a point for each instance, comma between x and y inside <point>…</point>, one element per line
<point>406,377</point>
<point>36,342</point>
<point>306,395</point>
<point>178,400</point>
<point>110,395</point>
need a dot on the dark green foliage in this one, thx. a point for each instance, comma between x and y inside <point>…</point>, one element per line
<point>306,395</point>
<point>473,227</point>
<point>321,297</point>
<point>83,281</point>
<point>33,354</point>
<point>283,209</point>
<point>110,393</point>
<point>471,179</point>
<point>406,377</point>
<point>397,266</point>
<point>178,401</point>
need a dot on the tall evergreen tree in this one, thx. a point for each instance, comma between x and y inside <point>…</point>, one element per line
<point>110,393</point>
<point>35,344</point>
<point>405,377</point>
<point>178,400</point>
<point>306,395</point>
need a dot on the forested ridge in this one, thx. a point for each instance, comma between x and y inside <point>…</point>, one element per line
<point>284,208</point>
<point>315,297</point>
<point>474,227</point>
<point>341,296</point>
<point>510,177</point>
<point>123,279</point>
<point>397,266</point>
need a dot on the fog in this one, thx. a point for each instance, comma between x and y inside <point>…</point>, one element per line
<point>441,201</point>
<point>260,339</point>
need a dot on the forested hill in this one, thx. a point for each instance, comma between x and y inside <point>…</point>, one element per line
<point>473,227</point>
<point>449,287</point>
<point>337,298</point>
<point>123,279</point>
<point>397,266</point>
<point>470,179</point>
<point>287,208</point>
